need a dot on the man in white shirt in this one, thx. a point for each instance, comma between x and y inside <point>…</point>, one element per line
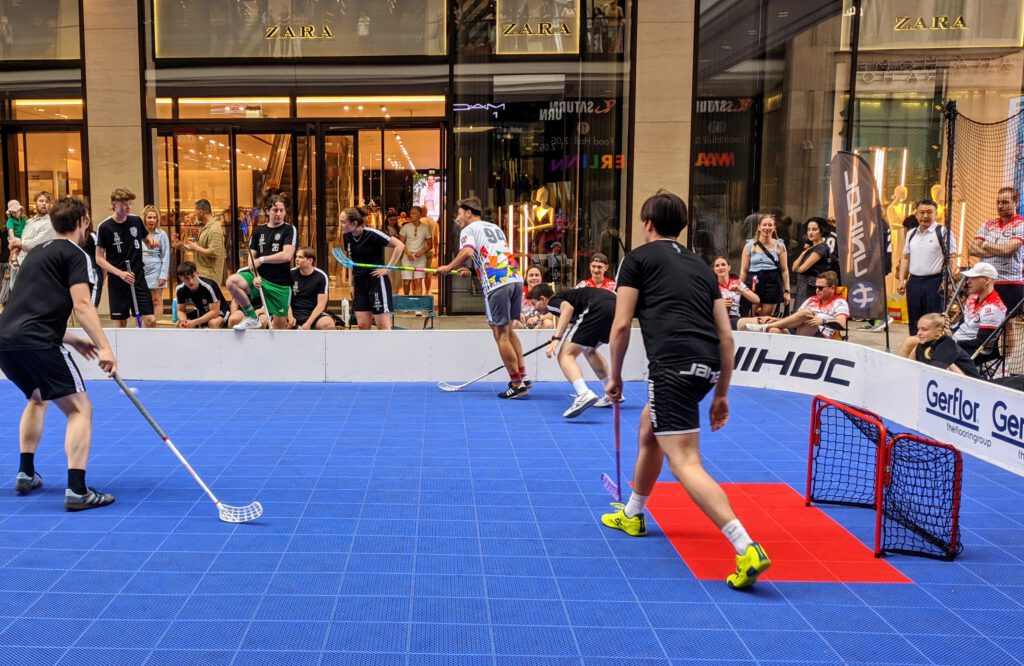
<point>925,258</point>
<point>984,310</point>
<point>418,239</point>
<point>38,229</point>
<point>818,316</point>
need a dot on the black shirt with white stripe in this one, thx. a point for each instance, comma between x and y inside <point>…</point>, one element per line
<point>122,242</point>
<point>206,293</point>
<point>580,299</point>
<point>36,317</point>
<point>366,248</point>
<point>306,289</point>
<point>268,240</point>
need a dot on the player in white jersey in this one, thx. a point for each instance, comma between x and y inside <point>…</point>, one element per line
<point>485,243</point>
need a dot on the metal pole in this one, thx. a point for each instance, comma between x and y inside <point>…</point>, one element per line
<point>951,116</point>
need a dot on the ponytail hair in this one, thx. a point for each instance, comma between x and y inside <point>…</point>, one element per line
<point>935,319</point>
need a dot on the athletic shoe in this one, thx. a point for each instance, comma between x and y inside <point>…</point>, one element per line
<point>635,526</point>
<point>513,391</point>
<point>749,566</point>
<point>605,401</point>
<point>582,402</point>
<point>754,328</point>
<point>869,325</point>
<point>880,326</point>
<point>25,484</point>
<point>247,323</point>
<point>92,499</point>
<point>528,383</point>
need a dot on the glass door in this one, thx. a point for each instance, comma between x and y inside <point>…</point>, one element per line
<point>337,177</point>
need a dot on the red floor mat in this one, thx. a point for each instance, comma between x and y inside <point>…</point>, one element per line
<point>805,544</point>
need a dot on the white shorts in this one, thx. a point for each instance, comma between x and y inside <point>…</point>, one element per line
<point>420,262</point>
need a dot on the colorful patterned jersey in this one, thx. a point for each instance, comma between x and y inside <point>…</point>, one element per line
<point>494,260</point>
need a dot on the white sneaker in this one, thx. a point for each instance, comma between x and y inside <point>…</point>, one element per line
<point>757,328</point>
<point>880,326</point>
<point>605,401</point>
<point>580,404</point>
<point>246,324</point>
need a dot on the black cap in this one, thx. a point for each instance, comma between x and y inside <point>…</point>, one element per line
<point>472,204</point>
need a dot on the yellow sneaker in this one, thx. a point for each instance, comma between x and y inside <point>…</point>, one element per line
<point>635,526</point>
<point>749,566</point>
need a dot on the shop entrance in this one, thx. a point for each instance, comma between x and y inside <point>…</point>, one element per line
<point>320,168</point>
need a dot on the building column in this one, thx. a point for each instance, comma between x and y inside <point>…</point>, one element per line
<point>113,100</point>
<point>662,110</point>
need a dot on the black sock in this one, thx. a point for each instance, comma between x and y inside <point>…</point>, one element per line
<point>76,481</point>
<point>28,463</point>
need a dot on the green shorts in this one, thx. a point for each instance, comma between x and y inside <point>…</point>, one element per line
<point>278,296</point>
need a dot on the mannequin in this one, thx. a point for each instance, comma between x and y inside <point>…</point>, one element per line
<point>542,215</point>
<point>940,210</point>
<point>898,209</point>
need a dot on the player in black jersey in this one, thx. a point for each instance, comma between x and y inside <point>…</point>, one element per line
<point>119,240</point>
<point>203,295</point>
<point>98,274</point>
<point>310,287</point>
<point>371,287</point>
<point>270,256</point>
<point>590,313</point>
<point>688,339</point>
<point>56,280</point>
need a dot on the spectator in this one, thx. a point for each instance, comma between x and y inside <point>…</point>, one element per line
<point>5,259</point>
<point>598,274</point>
<point>210,251</point>
<point>201,304</point>
<point>926,259</point>
<point>557,263</point>
<point>37,230</point>
<point>1000,243</point>
<point>935,346</point>
<point>15,221</point>
<point>156,259</point>
<point>435,240</point>
<point>818,316</point>
<point>765,266</point>
<point>310,285</point>
<point>732,289</point>
<point>984,310</point>
<point>814,259</point>
<point>416,236</point>
<point>530,316</point>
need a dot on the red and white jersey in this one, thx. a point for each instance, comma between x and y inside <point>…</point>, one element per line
<point>732,298</point>
<point>608,284</point>
<point>981,314</point>
<point>827,311</point>
<point>996,232</point>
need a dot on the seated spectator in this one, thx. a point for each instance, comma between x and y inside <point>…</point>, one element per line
<point>818,316</point>
<point>530,317</point>
<point>308,307</point>
<point>935,346</point>
<point>201,303</point>
<point>732,289</point>
<point>984,310</point>
<point>598,274</point>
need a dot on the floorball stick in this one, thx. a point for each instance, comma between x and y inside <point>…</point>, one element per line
<point>229,514</point>
<point>263,296</point>
<point>615,489</point>
<point>135,299</point>
<point>343,259</point>
<point>445,386</point>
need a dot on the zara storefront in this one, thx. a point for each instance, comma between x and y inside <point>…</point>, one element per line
<point>380,103</point>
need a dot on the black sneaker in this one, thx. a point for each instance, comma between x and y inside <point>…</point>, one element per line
<point>528,383</point>
<point>513,391</point>
<point>25,484</point>
<point>92,499</point>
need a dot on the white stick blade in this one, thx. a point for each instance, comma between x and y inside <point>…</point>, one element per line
<point>445,386</point>
<point>240,514</point>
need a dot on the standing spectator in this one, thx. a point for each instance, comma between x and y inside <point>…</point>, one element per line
<point>732,289</point>
<point>310,285</point>
<point>156,259</point>
<point>208,247</point>
<point>598,274</point>
<point>98,273</point>
<point>416,236</point>
<point>270,256</point>
<point>12,243</point>
<point>925,260</point>
<point>557,263</point>
<point>203,295</point>
<point>1000,242</point>
<point>435,240</point>
<point>15,220</point>
<point>37,229</point>
<point>814,259</point>
<point>530,317</point>
<point>765,266</point>
<point>119,241</point>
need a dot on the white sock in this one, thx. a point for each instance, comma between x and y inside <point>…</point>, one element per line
<point>580,386</point>
<point>636,505</point>
<point>737,535</point>
<point>604,382</point>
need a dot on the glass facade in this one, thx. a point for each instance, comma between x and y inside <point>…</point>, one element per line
<point>782,86</point>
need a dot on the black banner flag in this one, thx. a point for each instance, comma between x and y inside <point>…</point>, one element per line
<point>860,236</point>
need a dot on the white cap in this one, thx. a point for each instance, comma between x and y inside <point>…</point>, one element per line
<point>982,269</point>
<point>13,205</point>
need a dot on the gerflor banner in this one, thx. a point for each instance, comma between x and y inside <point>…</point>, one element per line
<point>859,241</point>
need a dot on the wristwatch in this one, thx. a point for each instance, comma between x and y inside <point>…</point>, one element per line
<point>555,337</point>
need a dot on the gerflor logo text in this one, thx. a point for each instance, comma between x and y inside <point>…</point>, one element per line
<point>953,407</point>
<point>1008,427</point>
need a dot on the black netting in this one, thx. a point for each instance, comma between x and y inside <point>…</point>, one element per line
<point>844,462</point>
<point>921,498</point>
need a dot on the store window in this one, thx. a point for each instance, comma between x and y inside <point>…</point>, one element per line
<point>39,30</point>
<point>542,27</point>
<point>291,29</point>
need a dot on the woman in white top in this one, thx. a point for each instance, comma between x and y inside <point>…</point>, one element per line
<point>732,289</point>
<point>156,259</point>
<point>765,266</point>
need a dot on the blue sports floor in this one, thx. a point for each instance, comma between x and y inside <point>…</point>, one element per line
<point>409,527</point>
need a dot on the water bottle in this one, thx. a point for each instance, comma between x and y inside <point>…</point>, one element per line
<point>345,314</point>
<point>174,310</point>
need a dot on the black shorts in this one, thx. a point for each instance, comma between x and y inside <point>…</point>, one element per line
<point>193,314</point>
<point>732,322</point>
<point>593,326</point>
<point>302,317</point>
<point>52,371</point>
<point>767,285</point>
<point>1011,295</point>
<point>674,394</point>
<point>373,294</point>
<point>97,291</point>
<point>120,297</point>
